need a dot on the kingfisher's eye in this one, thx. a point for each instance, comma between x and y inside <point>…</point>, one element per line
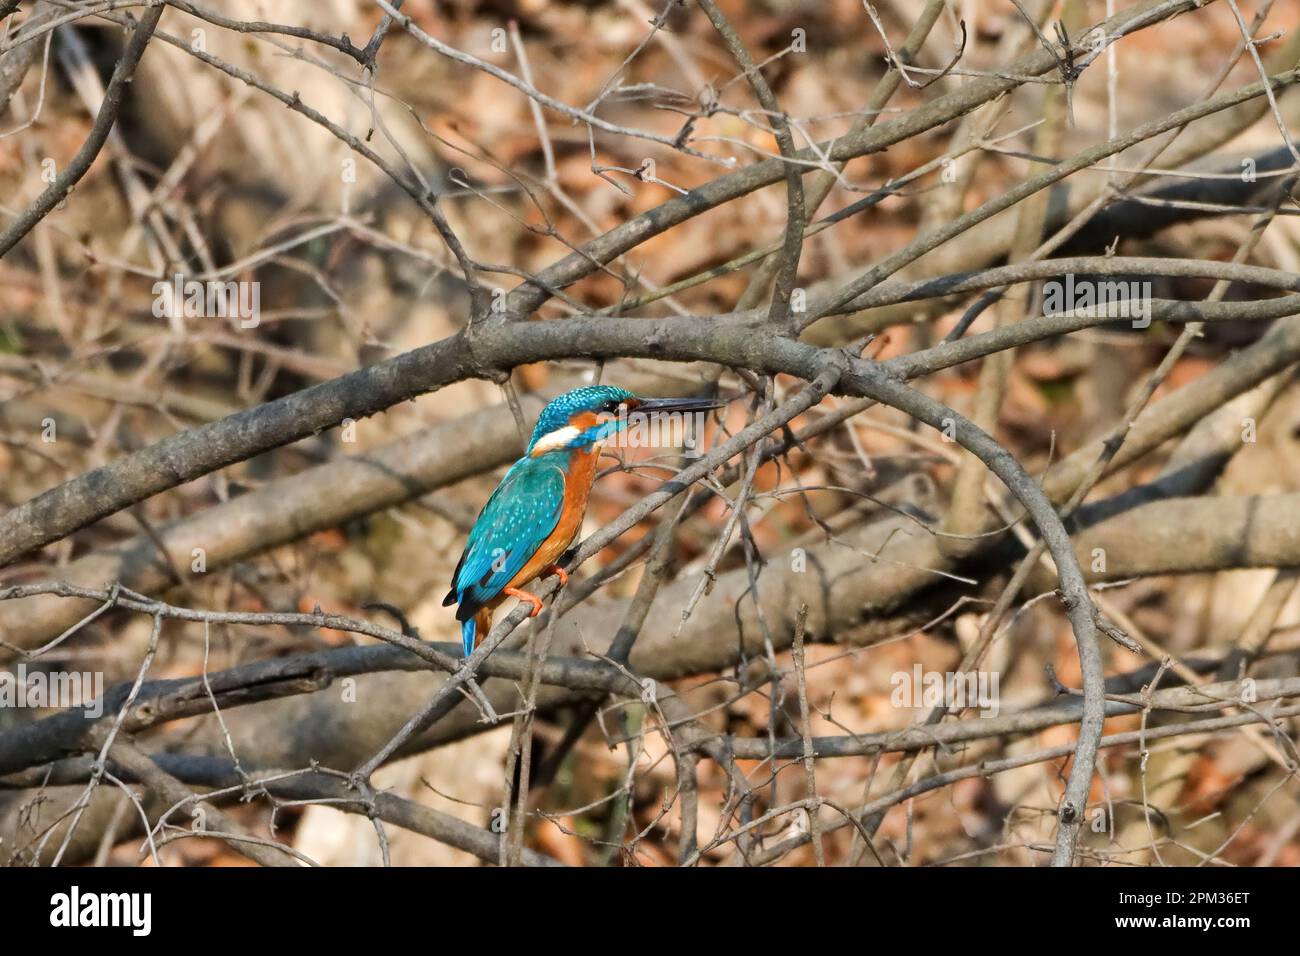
<point>610,406</point>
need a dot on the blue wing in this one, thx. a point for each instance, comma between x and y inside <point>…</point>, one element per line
<point>520,515</point>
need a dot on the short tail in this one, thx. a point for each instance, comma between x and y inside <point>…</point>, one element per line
<point>475,629</point>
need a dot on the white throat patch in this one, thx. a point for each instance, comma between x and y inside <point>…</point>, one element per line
<point>555,441</point>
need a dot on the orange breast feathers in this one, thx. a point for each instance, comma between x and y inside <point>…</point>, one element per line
<point>578,480</point>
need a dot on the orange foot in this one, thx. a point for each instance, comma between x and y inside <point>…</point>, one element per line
<point>559,572</point>
<point>532,599</point>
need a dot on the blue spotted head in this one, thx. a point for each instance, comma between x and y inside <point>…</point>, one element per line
<point>590,415</point>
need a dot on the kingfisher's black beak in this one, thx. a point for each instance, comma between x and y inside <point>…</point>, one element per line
<point>662,405</point>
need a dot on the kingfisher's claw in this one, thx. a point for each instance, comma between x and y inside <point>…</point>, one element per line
<point>532,599</point>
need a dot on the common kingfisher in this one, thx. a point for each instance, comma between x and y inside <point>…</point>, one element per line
<point>537,509</point>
